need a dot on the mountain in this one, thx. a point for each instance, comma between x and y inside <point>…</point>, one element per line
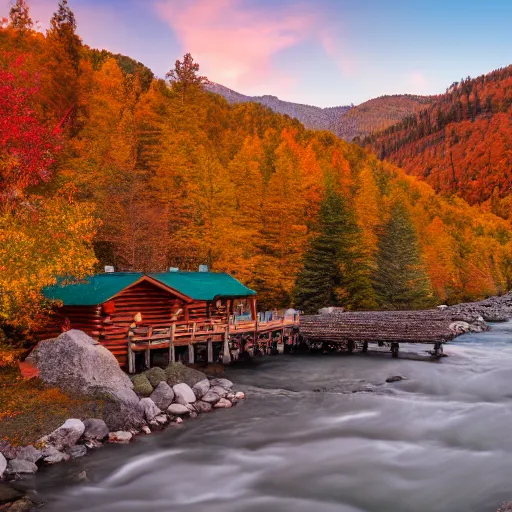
<point>347,122</point>
<point>460,143</point>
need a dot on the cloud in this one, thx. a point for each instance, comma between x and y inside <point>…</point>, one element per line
<point>417,82</point>
<point>235,42</point>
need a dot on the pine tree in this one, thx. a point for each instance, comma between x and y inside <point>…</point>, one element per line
<point>19,16</point>
<point>333,274</point>
<point>401,280</point>
<point>184,76</point>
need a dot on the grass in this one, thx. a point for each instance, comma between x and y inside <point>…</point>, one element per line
<point>30,409</point>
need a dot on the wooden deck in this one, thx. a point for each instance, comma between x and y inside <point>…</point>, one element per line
<point>235,336</point>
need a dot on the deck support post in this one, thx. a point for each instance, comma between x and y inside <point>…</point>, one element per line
<point>226,357</point>
<point>147,356</point>
<point>395,347</point>
<point>210,351</point>
<point>191,354</point>
<point>365,346</point>
<point>131,358</point>
<point>172,353</point>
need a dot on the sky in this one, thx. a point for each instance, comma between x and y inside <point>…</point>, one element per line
<point>317,52</point>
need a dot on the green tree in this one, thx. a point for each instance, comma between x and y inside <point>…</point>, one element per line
<point>184,77</point>
<point>333,273</point>
<point>19,16</point>
<point>401,280</point>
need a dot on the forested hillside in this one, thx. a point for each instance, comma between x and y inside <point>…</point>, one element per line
<point>347,122</point>
<point>102,164</point>
<point>461,144</point>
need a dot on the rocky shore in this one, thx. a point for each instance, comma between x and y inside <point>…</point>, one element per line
<point>493,309</point>
<point>77,364</point>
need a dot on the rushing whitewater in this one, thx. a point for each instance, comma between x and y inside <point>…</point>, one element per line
<point>324,433</point>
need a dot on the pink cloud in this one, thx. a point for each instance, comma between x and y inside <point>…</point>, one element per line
<point>235,43</point>
<point>418,82</point>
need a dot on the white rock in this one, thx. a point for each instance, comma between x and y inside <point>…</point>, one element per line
<point>146,429</point>
<point>151,411</point>
<point>223,403</point>
<point>178,420</point>
<point>29,453</point>
<point>177,409</point>
<point>223,383</point>
<point>161,419</point>
<point>183,394</point>
<point>17,466</point>
<point>120,437</point>
<point>201,388</point>
<point>53,456</point>
<point>3,465</point>
<point>66,435</point>
<point>460,327</point>
<point>230,396</point>
<point>93,443</point>
<point>239,395</point>
<point>211,397</point>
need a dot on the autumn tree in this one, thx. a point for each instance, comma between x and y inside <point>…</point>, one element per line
<point>401,281</point>
<point>184,77</point>
<point>19,16</point>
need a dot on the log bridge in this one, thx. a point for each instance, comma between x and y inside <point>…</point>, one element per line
<point>357,330</point>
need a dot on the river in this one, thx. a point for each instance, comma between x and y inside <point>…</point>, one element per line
<point>440,441</point>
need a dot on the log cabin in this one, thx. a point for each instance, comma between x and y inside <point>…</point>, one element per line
<point>186,316</point>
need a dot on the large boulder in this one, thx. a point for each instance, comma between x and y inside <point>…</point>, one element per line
<point>222,392</point>
<point>183,394</point>
<point>77,364</point>
<point>7,450</point>
<point>66,435</point>
<point>201,388</point>
<point>178,410</point>
<point>223,383</point>
<point>20,467</point>
<point>151,411</point>
<point>155,376</point>
<point>163,395</point>
<point>201,406</point>
<point>211,397</point>
<point>177,372</point>
<point>53,456</point>
<point>95,429</point>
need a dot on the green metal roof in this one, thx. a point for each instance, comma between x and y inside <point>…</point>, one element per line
<point>102,287</point>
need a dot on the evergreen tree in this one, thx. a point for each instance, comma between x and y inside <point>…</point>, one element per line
<point>63,29</point>
<point>401,280</point>
<point>184,76</point>
<point>332,274</point>
<point>19,16</point>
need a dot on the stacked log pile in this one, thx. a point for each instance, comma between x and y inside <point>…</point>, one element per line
<point>429,326</point>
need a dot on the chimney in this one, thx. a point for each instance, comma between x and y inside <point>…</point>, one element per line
<point>174,269</point>
<point>109,269</point>
<point>203,268</point>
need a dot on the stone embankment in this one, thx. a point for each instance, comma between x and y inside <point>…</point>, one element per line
<point>78,365</point>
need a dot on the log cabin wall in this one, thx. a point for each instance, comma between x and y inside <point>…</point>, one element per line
<point>155,305</point>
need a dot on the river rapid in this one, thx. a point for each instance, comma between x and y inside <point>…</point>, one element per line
<point>303,441</point>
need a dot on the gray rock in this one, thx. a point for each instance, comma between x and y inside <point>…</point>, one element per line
<point>29,453</point>
<point>223,383</point>
<point>8,494</point>
<point>3,465</point>
<point>146,429</point>
<point>183,394</point>
<point>178,410</point>
<point>222,392</point>
<point>95,429</point>
<point>53,456</point>
<point>66,435</point>
<point>93,443</point>
<point>155,376</point>
<point>163,396</point>
<point>8,451</point>
<point>151,411</point>
<point>20,467</point>
<point>77,451</point>
<point>395,378</point>
<point>201,388</point>
<point>77,364</point>
<point>201,406</point>
<point>223,403</point>
<point>141,385</point>
<point>120,437</point>
<point>178,372</point>
<point>211,397</point>
<point>161,419</point>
